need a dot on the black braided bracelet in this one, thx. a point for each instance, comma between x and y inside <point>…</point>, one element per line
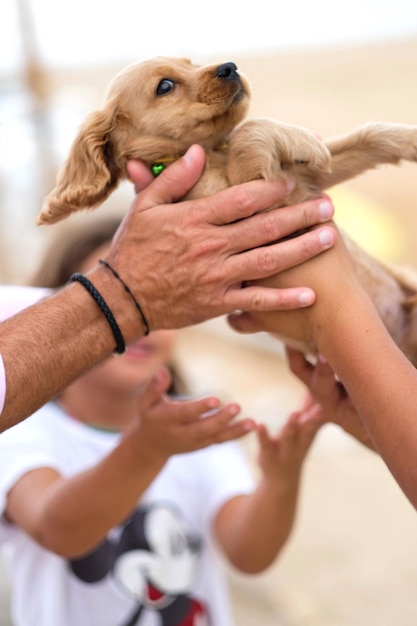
<point>88,285</point>
<point>126,288</point>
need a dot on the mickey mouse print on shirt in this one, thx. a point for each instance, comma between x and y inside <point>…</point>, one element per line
<point>152,559</point>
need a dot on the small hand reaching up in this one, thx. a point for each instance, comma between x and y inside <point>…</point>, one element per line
<point>172,426</point>
<point>330,393</point>
<point>252,529</point>
<point>281,456</point>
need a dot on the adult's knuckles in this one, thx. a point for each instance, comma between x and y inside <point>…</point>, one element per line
<point>268,261</point>
<point>308,245</point>
<point>307,215</point>
<point>297,218</point>
<point>257,301</point>
<point>243,201</point>
<point>272,226</point>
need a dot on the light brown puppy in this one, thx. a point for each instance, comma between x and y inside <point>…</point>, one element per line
<point>156,109</point>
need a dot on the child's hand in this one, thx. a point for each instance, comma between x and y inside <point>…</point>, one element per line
<point>175,426</point>
<point>330,393</point>
<point>281,456</point>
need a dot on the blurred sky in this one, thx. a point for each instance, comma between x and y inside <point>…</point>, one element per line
<point>74,32</point>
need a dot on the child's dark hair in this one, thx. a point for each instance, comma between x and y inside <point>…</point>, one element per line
<point>70,247</point>
<point>66,252</point>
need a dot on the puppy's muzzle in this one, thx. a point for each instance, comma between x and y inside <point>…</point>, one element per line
<point>227,71</point>
<point>228,74</point>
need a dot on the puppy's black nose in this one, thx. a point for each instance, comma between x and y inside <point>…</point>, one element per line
<point>227,71</point>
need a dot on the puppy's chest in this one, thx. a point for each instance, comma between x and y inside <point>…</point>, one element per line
<point>214,177</point>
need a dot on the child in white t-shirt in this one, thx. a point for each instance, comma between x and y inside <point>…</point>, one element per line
<point>115,499</point>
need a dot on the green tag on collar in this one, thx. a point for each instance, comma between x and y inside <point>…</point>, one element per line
<point>157,168</point>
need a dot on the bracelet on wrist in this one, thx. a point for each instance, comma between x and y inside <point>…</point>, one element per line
<point>105,309</point>
<point>128,290</point>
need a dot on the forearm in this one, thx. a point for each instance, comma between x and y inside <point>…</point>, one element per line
<point>381,382</point>
<point>48,345</point>
<point>78,512</point>
<point>258,527</point>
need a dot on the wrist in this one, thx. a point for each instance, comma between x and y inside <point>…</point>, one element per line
<point>130,293</point>
<point>335,316</point>
<point>120,302</point>
<point>277,486</point>
<point>139,448</point>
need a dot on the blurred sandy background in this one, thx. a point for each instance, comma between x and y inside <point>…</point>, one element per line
<point>352,560</point>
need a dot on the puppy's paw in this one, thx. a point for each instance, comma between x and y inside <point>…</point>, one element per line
<point>375,144</point>
<point>404,138</point>
<point>267,149</point>
<point>305,148</point>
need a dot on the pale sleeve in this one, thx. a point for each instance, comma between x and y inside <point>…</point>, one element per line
<point>223,472</point>
<point>12,300</point>
<point>25,447</point>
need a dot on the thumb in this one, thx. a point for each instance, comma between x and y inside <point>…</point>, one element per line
<point>244,323</point>
<point>154,388</point>
<point>175,180</point>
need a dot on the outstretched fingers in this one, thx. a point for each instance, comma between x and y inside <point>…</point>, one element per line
<point>215,424</point>
<point>301,428</point>
<point>154,389</point>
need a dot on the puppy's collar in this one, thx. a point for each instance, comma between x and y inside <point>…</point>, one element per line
<point>159,165</point>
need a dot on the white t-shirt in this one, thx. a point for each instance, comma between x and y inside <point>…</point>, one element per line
<point>12,300</point>
<point>160,567</point>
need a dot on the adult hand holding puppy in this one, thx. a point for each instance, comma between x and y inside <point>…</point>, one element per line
<point>194,255</point>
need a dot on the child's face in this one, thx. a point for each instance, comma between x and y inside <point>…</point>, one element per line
<point>126,373</point>
<point>142,358</point>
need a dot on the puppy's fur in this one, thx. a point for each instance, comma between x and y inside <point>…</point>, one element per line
<point>156,109</point>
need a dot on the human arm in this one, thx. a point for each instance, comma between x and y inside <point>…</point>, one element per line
<point>347,330</point>
<point>252,529</point>
<point>183,261</point>
<point>381,382</point>
<point>42,502</point>
<point>337,406</point>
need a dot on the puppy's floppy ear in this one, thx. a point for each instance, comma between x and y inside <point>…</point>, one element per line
<point>89,174</point>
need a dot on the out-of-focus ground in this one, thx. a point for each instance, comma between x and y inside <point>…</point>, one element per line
<point>352,559</point>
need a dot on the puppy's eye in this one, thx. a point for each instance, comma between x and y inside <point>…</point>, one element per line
<point>165,86</point>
